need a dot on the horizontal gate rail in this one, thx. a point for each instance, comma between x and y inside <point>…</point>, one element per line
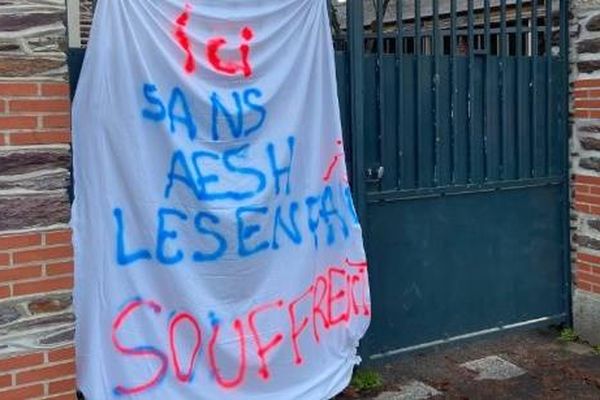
<point>535,323</point>
<point>397,195</point>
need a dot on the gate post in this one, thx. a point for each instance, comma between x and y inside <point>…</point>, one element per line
<point>355,30</point>
<point>585,75</point>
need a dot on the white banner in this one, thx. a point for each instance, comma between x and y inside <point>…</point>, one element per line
<point>218,253</point>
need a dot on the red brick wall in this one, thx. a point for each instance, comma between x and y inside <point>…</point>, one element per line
<point>586,96</point>
<point>36,263</point>
<point>586,200</point>
<point>586,185</point>
<point>34,113</point>
<point>40,375</point>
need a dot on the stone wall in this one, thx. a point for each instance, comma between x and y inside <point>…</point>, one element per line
<point>87,11</point>
<point>36,269</point>
<point>585,163</point>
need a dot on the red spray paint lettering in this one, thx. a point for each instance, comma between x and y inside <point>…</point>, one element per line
<point>331,300</point>
<point>184,40</point>
<point>212,358</point>
<point>334,296</point>
<point>177,319</point>
<point>228,67</point>
<point>333,164</point>
<point>214,46</point>
<point>317,309</point>
<point>263,349</point>
<point>141,351</point>
<point>295,330</point>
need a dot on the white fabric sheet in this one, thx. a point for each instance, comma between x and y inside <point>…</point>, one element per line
<point>218,253</point>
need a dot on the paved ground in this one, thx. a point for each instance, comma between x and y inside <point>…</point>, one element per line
<point>521,365</point>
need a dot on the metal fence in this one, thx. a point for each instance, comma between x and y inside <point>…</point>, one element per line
<point>470,95</point>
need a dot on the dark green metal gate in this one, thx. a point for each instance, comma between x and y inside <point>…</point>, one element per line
<point>457,112</point>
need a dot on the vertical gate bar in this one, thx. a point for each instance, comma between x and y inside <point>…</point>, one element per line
<point>532,99</point>
<point>534,26</point>
<point>471,156</point>
<point>502,50</point>
<point>436,92</point>
<point>564,140</point>
<point>519,28</point>
<point>417,46</point>
<point>486,26</point>
<point>354,10</point>
<point>486,101</point>
<point>564,58</point>
<point>519,83</point>
<point>502,56</point>
<point>453,91</point>
<point>400,96</point>
<point>417,27</point>
<point>549,89</point>
<point>379,88</point>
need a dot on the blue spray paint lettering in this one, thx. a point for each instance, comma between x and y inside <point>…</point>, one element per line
<point>164,235</point>
<point>292,232</point>
<point>328,210</point>
<point>240,152</point>
<point>313,223</point>
<point>235,127</point>
<point>178,98</point>
<point>350,205</point>
<point>281,171</point>
<point>235,119</point>
<point>245,232</point>
<point>123,257</point>
<point>221,242</point>
<point>160,112</point>
<point>186,178</point>
<point>204,180</point>
<point>262,112</point>
<point>207,168</point>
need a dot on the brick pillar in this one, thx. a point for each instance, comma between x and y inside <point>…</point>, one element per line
<point>36,268</point>
<point>585,165</point>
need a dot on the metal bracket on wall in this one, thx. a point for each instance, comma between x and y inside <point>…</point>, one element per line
<point>375,174</point>
<point>73,23</point>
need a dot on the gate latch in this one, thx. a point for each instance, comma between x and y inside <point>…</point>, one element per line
<point>375,174</point>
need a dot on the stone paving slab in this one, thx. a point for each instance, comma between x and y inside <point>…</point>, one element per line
<point>579,349</point>
<point>494,368</point>
<point>414,390</point>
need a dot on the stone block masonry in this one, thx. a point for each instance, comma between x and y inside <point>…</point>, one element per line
<point>35,155</point>
<point>36,266</point>
<point>585,164</point>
